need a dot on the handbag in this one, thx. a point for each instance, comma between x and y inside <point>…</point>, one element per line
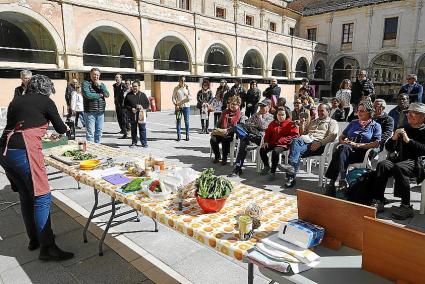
<point>142,117</point>
<point>240,131</point>
<point>219,132</point>
<point>210,108</point>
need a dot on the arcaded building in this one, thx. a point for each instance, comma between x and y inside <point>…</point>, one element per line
<point>155,41</point>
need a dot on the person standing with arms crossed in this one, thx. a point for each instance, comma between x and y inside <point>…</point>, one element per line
<point>181,101</point>
<point>94,93</point>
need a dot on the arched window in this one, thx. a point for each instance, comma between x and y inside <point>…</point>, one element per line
<point>23,39</point>
<point>320,70</point>
<point>344,68</point>
<point>421,70</point>
<point>279,66</point>
<point>252,63</point>
<point>171,54</point>
<point>217,60</point>
<point>387,85</point>
<point>107,47</point>
<point>301,69</point>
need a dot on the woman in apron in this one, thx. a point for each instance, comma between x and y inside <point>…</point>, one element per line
<point>22,159</point>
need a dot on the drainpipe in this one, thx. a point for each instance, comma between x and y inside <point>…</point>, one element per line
<point>419,6</point>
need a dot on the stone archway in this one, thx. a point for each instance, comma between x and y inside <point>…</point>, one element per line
<point>252,63</point>
<point>171,54</point>
<point>24,39</point>
<point>344,68</point>
<point>387,72</point>
<point>421,69</point>
<point>103,47</point>
<point>280,66</point>
<point>301,69</point>
<point>218,59</point>
<point>320,70</point>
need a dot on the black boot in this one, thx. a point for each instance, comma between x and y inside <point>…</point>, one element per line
<point>33,245</point>
<point>178,137</point>
<point>187,136</point>
<point>54,253</point>
<point>202,126</point>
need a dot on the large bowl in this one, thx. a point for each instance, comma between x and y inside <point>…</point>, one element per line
<point>210,205</point>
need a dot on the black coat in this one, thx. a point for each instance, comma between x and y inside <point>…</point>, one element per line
<point>272,91</point>
<point>361,88</point>
<point>19,91</point>
<point>387,126</point>
<point>119,90</point>
<point>132,100</point>
<point>203,97</point>
<point>338,115</point>
<point>251,97</point>
<point>234,91</point>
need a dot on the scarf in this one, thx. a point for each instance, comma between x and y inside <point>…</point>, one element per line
<point>234,120</point>
<point>363,124</point>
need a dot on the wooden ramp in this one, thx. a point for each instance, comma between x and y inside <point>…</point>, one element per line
<point>343,221</point>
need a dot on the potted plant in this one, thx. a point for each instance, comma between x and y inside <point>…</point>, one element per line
<point>212,191</point>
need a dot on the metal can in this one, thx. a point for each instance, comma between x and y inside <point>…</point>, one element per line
<point>245,227</point>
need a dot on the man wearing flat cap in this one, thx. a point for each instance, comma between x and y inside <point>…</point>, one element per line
<point>406,148</point>
<point>255,127</point>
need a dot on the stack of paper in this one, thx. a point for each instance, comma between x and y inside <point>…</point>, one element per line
<point>282,256</point>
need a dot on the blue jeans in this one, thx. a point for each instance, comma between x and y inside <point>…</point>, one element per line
<point>35,209</point>
<point>298,149</point>
<point>185,111</point>
<point>142,133</point>
<point>94,126</point>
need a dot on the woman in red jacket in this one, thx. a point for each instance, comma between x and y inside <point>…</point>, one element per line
<point>279,135</point>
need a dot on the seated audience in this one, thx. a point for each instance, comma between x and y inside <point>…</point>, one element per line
<point>359,136</point>
<point>277,138</point>
<point>282,103</point>
<point>228,119</point>
<point>406,146</point>
<point>309,104</point>
<point>399,113</point>
<point>312,142</point>
<point>337,112</point>
<point>300,115</point>
<point>255,126</point>
<point>386,121</point>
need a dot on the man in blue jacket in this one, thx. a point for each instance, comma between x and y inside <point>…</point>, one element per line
<point>94,95</point>
<point>413,89</point>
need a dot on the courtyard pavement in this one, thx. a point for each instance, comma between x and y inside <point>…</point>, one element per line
<point>132,254</point>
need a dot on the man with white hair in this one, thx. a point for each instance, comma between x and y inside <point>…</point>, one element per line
<point>413,89</point>
<point>386,121</point>
<point>25,78</point>
<point>409,144</point>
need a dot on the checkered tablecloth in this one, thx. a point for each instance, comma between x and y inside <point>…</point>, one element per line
<point>215,230</point>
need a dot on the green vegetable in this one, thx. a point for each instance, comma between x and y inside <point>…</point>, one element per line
<point>133,185</point>
<point>212,187</point>
<point>78,155</point>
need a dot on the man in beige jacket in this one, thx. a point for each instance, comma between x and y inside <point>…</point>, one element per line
<point>312,142</point>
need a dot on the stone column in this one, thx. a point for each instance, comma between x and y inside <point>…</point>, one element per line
<point>262,13</point>
<point>284,25</point>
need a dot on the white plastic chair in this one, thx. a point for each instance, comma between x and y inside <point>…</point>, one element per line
<point>233,146</point>
<point>323,160</point>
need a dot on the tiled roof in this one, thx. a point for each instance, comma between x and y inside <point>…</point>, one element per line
<point>312,7</point>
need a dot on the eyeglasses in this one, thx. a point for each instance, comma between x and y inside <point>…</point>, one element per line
<point>361,110</point>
